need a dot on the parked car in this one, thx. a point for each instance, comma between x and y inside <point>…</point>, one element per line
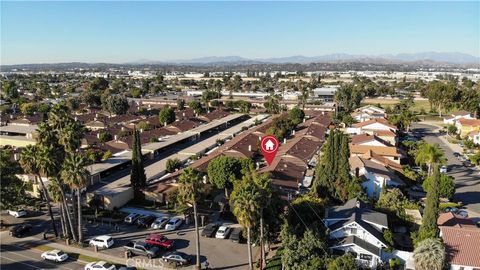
<point>141,248</point>
<point>160,241</point>
<point>127,268</point>
<point>101,265</point>
<point>468,164</point>
<point>444,169</point>
<point>131,218</point>
<point>145,221</point>
<point>450,209</point>
<point>160,222</point>
<point>17,213</point>
<point>418,188</point>
<point>103,241</point>
<point>20,230</point>
<point>177,257</point>
<point>173,224</point>
<point>462,213</point>
<point>456,154</point>
<point>55,255</point>
<point>236,235</point>
<point>210,230</point>
<point>222,232</point>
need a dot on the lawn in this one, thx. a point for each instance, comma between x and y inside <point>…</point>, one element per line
<point>418,105</point>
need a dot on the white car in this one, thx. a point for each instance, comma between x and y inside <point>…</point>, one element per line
<point>160,222</point>
<point>55,255</point>
<point>101,265</point>
<point>443,169</point>
<point>173,224</point>
<point>222,232</point>
<point>18,213</point>
<point>104,241</point>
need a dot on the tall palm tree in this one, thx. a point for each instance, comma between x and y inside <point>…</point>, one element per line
<point>245,201</point>
<point>75,175</point>
<point>189,193</point>
<point>429,154</point>
<point>70,136</point>
<point>48,165</point>
<point>429,254</point>
<point>29,163</point>
<point>56,197</point>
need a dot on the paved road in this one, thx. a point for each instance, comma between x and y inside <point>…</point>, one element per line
<point>467,179</point>
<point>14,256</point>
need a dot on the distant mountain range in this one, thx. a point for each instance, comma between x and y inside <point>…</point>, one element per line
<point>440,57</point>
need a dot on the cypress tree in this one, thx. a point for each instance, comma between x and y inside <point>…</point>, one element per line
<point>137,177</point>
<point>429,228</point>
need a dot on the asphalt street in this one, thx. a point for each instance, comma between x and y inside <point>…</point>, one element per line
<point>467,180</point>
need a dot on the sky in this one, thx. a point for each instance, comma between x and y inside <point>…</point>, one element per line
<point>119,32</point>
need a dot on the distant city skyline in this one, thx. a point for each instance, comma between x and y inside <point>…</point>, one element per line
<point>121,32</point>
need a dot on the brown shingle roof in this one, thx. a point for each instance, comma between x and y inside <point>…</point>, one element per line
<point>382,121</point>
<point>462,245</point>
<point>362,138</point>
<point>183,125</point>
<point>460,113</point>
<point>217,114</point>
<point>304,149</point>
<point>317,130</point>
<point>381,150</point>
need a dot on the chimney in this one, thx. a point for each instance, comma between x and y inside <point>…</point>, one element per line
<point>76,118</point>
<point>96,115</point>
<point>95,119</point>
<point>259,138</point>
<point>115,137</point>
<point>258,165</point>
<point>196,115</point>
<point>149,106</point>
<point>122,129</point>
<point>249,148</point>
<point>11,116</point>
<point>184,114</point>
<point>304,120</point>
<point>323,113</point>
<point>284,140</point>
<point>141,130</point>
<point>98,135</point>
<point>165,124</point>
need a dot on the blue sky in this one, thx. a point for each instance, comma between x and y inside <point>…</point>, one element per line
<point>116,32</point>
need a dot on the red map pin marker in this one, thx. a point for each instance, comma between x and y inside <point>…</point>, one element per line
<point>269,146</point>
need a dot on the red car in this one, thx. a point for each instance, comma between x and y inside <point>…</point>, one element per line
<point>160,241</point>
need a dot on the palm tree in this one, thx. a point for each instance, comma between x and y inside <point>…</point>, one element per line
<point>29,163</point>
<point>75,175</point>
<point>56,196</point>
<point>429,154</point>
<point>273,103</point>
<point>48,165</point>
<point>189,193</point>
<point>429,254</point>
<point>70,135</point>
<point>245,201</point>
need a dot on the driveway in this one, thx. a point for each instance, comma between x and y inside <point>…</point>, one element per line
<point>467,180</point>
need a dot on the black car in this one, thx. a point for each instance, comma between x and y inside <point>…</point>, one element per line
<point>19,230</point>
<point>209,230</point>
<point>236,235</point>
<point>177,257</point>
<point>468,164</point>
<point>146,221</point>
<point>456,154</point>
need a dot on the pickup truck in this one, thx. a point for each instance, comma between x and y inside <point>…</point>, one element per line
<point>141,248</point>
<point>159,241</point>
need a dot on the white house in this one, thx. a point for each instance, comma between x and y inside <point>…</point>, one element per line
<point>455,116</point>
<point>371,126</point>
<point>358,230</point>
<point>371,140</point>
<point>369,112</point>
<point>474,136</point>
<point>376,175</point>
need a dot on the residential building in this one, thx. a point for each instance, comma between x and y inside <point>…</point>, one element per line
<point>465,126</point>
<point>455,116</point>
<point>355,228</point>
<point>474,136</point>
<point>375,175</point>
<point>462,247</point>
<point>368,112</point>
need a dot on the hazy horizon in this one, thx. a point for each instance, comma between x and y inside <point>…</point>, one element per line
<point>123,32</point>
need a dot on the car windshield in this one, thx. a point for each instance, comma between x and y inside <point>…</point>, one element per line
<point>107,265</point>
<point>221,230</point>
<point>171,222</point>
<point>60,253</point>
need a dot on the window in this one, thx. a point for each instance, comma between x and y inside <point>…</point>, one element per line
<point>365,257</point>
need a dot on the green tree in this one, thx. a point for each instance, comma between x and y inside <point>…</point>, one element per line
<point>167,115</point>
<point>272,105</point>
<point>446,185</point>
<point>104,136</point>
<point>189,193</point>
<point>98,84</point>
<point>115,104</point>
<point>429,154</point>
<point>173,164</point>
<point>137,178</point>
<point>29,161</point>
<point>429,227</point>
<point>296,115</point>
<point>302,253</point>
<point>75,175</point>
<point>223,171</point>
<point>344,262</point>
<point>196,106</point>
<point>451,129</point>
<point>28,108</point>
<point>180,104</point>
<point>429,254</point>
<point>245,201</point>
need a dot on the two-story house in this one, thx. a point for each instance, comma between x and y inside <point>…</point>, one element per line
<point>355,228</point>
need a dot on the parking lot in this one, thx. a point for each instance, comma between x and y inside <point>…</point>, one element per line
<point>220,253</point>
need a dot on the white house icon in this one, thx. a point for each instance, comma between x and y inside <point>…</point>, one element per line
<point>269,145</point>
